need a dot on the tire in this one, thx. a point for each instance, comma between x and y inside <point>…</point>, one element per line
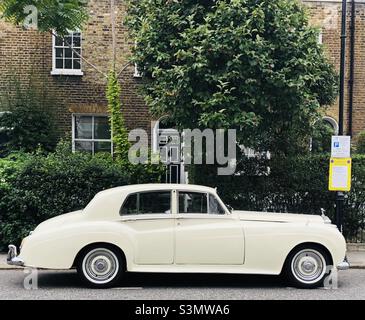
<point>100,266</point>
<point>307,266</point>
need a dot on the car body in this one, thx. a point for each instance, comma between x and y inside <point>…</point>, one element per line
<point>178,228</point>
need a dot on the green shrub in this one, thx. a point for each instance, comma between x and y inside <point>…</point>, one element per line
<point>28,120</point>
<point>360,145</point>
<point>298,185</point>
<point>36,187</point>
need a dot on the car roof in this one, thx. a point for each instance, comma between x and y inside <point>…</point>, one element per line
<point>156,187</point>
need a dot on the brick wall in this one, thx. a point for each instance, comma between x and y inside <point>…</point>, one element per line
<point>23,52</point>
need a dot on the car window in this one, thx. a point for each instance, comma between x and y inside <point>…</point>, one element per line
<point>214,206</point>
<point>130,205</point>
<point>192,202</point>
<point>156,202</point>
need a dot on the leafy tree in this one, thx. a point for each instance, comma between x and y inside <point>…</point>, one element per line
<point>57,15</point>
<point>321,137</point>
<point>252,65</point>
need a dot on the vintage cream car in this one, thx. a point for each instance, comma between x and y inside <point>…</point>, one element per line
<point>181,228</point>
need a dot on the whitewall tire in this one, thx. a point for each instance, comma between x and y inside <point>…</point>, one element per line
<point>307,266</point>
<point>100,266</point>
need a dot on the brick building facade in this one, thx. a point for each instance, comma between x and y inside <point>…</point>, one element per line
<point>326,15</point>
<point>26,54</point>
<point>82,91</point>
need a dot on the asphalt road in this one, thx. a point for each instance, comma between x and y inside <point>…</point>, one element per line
<point>66,285</point>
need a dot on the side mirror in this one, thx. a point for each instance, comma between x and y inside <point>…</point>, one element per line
<point>229,208</point>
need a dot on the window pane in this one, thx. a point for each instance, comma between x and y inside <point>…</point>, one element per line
<point>68,40</point>
<point>59,53</point>
<point>192,202</point>
<point>68,63</point>
<point>77,64</point>
<point>102,128</point>
<point>155,202</point>
<point>59,63</point>
<point>74,53</point>
<point>83,127</point>
<point>59,42</point>
<point>130,205</point>
<point>84,146</point>
<point>77,40</point>
<point>214,206</point>
<point>68,53</point>
<point>103,147</point>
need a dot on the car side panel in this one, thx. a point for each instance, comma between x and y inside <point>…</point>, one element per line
<point>58,248</point>
<point>267,244</point>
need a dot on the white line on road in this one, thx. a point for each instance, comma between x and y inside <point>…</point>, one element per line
<point>128,288</point>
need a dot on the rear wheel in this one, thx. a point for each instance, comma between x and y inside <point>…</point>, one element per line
<point>307,266</point>
<point>100,266</point>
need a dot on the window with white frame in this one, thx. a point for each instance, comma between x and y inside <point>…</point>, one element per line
<point>91,133</point>
<point>66,60</point>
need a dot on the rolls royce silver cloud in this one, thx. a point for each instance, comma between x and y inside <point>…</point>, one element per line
<point>181,229</point>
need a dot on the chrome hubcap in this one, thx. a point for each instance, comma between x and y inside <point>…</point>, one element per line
<point>100,266</point>
<point>308,266</point>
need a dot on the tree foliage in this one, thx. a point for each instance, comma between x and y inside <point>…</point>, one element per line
<point>28,118</point>
<point>119,130</point>
<point>57,15</point>
<point>253,65</point>
<point>360,144</point>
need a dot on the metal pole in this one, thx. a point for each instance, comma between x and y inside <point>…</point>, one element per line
<point>340,196</point>
<point>352,65</point>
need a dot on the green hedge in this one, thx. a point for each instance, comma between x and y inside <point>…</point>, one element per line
<point>298,185</point>
<point>34,188</point>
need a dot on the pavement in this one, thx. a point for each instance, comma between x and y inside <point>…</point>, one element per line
<point>65,285</point>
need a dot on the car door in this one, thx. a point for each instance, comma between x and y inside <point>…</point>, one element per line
<point>148,215</point>
<point>205,233</point>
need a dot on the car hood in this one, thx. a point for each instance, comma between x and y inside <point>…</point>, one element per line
<point>59,221</point>
<point>278,217</point>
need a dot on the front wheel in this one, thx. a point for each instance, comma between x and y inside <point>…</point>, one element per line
<point>307,267</point>
<point>100,267</point>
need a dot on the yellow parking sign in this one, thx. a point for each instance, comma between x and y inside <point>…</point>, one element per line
<point>340,174</point>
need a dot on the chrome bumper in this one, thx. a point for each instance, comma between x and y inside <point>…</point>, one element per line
<point>344,265</point>
<point>13,258</point>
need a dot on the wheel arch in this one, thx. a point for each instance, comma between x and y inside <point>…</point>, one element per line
<point>306,245</point>
<point>103,244</point>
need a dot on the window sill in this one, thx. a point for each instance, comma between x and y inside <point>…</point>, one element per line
<point>60,72</point>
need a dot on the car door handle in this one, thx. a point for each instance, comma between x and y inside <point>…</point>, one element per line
<point>127,220</point>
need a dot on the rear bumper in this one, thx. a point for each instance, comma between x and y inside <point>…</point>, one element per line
<point>344,265</point>
<point>13,258</point>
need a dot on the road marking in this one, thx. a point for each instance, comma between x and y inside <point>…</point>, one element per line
<point>128,288</point>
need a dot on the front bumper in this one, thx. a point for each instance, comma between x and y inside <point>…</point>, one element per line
<point>13,258</point>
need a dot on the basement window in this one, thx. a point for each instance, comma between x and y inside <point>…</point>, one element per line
<point>66,54</point>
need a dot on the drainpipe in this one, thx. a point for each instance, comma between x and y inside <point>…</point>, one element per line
<point>352,65</point>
